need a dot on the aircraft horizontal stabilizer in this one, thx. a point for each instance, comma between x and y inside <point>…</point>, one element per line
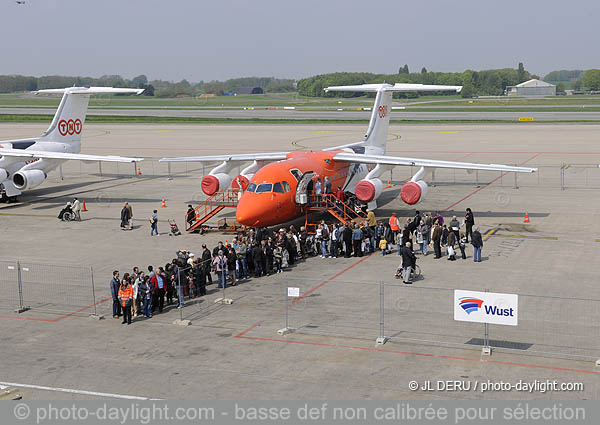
<point>90,90</point>
<point>399,87</point>
<point>27,153</point>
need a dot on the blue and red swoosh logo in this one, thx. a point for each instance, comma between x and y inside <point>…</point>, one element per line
<point>470,304</point>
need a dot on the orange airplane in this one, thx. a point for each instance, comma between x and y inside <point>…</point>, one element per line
<point>277,185</point>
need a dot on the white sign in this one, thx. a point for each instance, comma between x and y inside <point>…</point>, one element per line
<point>293,292</point>
<point>486,307</point>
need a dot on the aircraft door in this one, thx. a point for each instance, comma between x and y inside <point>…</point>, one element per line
<point>302,188</point>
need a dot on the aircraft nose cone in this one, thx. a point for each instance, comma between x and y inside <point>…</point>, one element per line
<point>247,212</point>
<point>251,212</point>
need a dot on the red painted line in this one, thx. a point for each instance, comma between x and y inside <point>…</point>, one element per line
<point>37,319</point>
<point>409,353</point>
<point>279,310</point>
<point>488,184</point>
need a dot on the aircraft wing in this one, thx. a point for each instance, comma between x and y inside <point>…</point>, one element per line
<point>90,90</point>
<point>244,157</point>
<point>416,162</point>
<point>399,87</point>
<point>26,153</point>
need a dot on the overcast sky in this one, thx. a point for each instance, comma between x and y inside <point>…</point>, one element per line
<point>205,40</point>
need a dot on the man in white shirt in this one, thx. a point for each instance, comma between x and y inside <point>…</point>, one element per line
<point>76,208</point>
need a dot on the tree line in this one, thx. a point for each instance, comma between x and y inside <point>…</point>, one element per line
<point>487,82</point>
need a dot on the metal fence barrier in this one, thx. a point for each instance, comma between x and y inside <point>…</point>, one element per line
<point>563,175</point>
<point>553,326</point>
<point>49,288</point>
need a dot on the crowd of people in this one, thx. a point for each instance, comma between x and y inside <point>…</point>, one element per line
<point>260,252</point>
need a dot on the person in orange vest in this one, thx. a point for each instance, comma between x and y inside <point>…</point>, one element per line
<point>126,299</point>
<point>394,224</point>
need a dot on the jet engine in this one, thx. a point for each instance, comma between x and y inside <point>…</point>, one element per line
<point>28,179</point>
<point>3,174</point>
<point>212,183</point>
<point>368,190</point>
<point>413,191</point>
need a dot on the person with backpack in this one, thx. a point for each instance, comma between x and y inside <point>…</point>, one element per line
<point>154,223</point>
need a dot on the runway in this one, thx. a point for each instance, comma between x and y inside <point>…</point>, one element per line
<point>326,114</point>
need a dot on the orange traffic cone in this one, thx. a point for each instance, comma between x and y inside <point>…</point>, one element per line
<point>389,185</point>
<point>526,218</point>
<point>83,208</point>
<point>164,205</point>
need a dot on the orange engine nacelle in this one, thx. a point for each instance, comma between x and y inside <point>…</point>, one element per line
<point>368,189</point>
<point>212,183</point>
<point>240,182</point>
<point>413,192</point>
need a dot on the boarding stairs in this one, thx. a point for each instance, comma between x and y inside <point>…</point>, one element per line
<point>341,211</point>
<point>212,206</point>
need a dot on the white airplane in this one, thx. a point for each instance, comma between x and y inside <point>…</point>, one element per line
<point>276,183</point>
<point>25,163</point>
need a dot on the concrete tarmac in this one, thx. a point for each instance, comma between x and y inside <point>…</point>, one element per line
<point>235,352</point>
<point>300,114</point>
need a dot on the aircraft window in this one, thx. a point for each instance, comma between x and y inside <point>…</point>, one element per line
<point>286,186</point>
<point>296,173</point>
<point>265,187</point>
<point>277,188</point>
<point>251,187</point>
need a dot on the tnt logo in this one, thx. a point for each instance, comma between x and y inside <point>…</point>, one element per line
<point>470,304</point>
<point>69,127</point>
<point>382,111</point>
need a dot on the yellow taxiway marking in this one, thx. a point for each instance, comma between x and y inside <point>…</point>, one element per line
<point>324,131</point>
<point>162,131</point>
<point>448,132</point>
<point>489,233</point>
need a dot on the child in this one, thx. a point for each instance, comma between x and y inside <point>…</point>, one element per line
<point>461,244</point>
<point>383,246</point>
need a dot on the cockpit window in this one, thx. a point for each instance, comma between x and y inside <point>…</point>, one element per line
<point>251,187</point>
<point>265,187</point>
<point>278,188</point>
<point>286,186</point>
<point>296,173</point>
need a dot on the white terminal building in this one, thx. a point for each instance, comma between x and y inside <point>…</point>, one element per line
<point>532,88</point>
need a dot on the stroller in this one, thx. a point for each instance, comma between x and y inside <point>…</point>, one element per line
<point>309,246</point>
<point>174,229</point>
<point>66,214</point>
